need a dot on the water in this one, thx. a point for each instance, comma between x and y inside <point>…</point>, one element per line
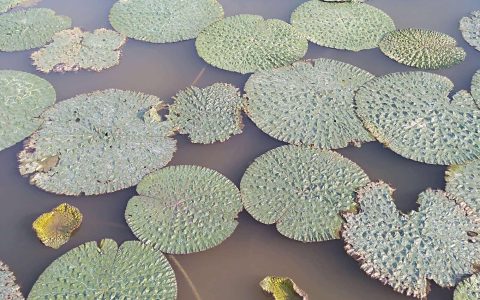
<point>233,269</point>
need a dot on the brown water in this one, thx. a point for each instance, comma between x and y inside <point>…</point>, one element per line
<point>233,269</point>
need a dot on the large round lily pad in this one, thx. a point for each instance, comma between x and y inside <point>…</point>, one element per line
<point>470,28</point>
<point>248,43</point>
<point>73,49</point>
<point>98,143</point>
<point>350,26</point>
<point>23,98</point>
<point>438,242</point>
<point>9,289</point>
<point>412,114</point>
<point>106,271</point>
<point>463,181</point>
<point>421,48</point>
<point>302,190</point>
<point>468,289</point>
<point>309,103</point>
<point>208,115</point>
<point>164,21</point>
<point>31,28</point>
<point>184,209</point>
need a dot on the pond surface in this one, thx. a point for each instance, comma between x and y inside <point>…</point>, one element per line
<point>233,269</point>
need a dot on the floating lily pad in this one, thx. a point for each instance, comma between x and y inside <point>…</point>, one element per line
<point>350,26</point>
<point>208,115</point>
<point>309,103</point>
<point>54,228</point>
<point>282,288</point>
<point>463,181</point>
<point>98,143</point>
<point>73,49</point>
<point>421,48</point>
<point>412,115</point>
<point>9,289</point>
<point>31,28</point>
<point>475,88</point>
<point>248,43</point>
<point>6,5</point>
<point>106,271</point>
<point>302,190</point>
<point>23,98</point>
<point>470,28</point>
<point>438,242</point>
<point>184,209</point>
<point>468,289</point>
<point>164,21</point>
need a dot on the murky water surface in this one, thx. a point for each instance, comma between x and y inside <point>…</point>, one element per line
<point>233,269</point>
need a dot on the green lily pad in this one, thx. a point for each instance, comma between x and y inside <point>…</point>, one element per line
<point>23,98</point>
<point>411,113</point>
<point>184,209</point>
<point>6,5</point>
<point>98,143</point>
<point>438,242</point>
<point>475,87</point>
<point>208,115</point>
<point>421,48</point>
<point>470,28</point>
<point>468,289</point>
<point>302,190</point>
<point>308,103</point>
<point>31,28</point>
<point>9,289</point>
<point>282,288</point>
<point>463,181</point>
<point>350,26</point>
<point>106,271</point>
<point>164,21</point>
<point>248,43</point>
<point>73,49</point>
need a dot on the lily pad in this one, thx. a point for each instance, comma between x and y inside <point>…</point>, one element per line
<point>248,43</point>
<point>475,88</point>
<point>9,289</point>
<point>470,28</point>
<point>98,143</point>
<point>6,5</point>
<point>421,48</point>
<point>411,113</point>
<point>31,28</point>
<point>350,26</point>
<point>468,289</point>
<point>106,271</point>
<point>184,209</point>
<point>308,103</point>
<point>23,98</point>
<point>73,49</point>
<point>54,228</point>
<point>282,288</point>
<point>302,190</point>
<point>438,242</point>
<point>463,181</point>
<point>164,21</point>
<point>208,115</point>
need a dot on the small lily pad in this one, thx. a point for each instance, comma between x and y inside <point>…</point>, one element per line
<point>411,113</point>
<point>106,271</point>
<point>350,26</point>
<point>470,28</point>
<point>282,288</point>
<point>421,48</point>
<point>6,5</point>
<point>73,49</point>
<point>208,115</point>
<point>98,143</point>
<point>184,209</point>
<point>9,289</point>
<point>302,190</point>
<point>468,289</point>
<point>475,88</point>
<point>248,43</point>
<point>438,242</point>
<point>308,103</point>
<point>54,228</point>
<point>23,98</point>
<point>463,181</point>
<point>164,21</point>
<point>31,28</point>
